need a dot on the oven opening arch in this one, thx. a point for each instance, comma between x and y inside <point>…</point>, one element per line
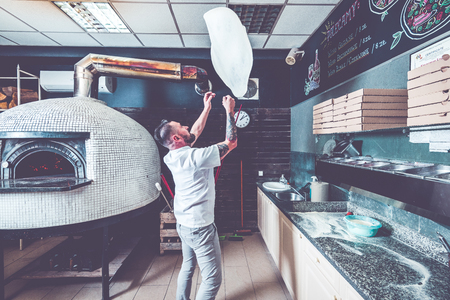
<point>43,158</point>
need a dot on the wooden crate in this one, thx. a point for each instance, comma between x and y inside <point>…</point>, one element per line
<point>169,239</point>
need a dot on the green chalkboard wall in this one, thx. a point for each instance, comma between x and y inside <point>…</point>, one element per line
<point>361,34</point>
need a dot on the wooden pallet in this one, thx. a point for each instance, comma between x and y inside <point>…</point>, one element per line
<point>169,239</point>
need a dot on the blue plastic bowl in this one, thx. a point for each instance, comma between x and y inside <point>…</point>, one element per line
<point>362,226</point>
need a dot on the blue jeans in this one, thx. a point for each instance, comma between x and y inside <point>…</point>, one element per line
<point>200,245</point>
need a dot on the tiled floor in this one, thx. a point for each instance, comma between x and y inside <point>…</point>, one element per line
<point>249,273</point>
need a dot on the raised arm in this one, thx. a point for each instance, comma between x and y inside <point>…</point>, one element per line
<point>199,125</point>
<point>231,132</point>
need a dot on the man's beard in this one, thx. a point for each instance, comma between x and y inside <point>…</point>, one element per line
<point>189,139</point>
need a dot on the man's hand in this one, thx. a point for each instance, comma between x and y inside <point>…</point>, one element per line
<point>228,103</point>
<point>207,99</point>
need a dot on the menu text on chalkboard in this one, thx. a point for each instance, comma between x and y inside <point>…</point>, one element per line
<point>361,34</point>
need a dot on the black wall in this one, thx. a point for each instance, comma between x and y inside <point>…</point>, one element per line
<point>268,66</point>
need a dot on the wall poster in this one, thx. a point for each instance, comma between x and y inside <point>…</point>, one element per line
<point>430,54</point>
<point>361,34</point>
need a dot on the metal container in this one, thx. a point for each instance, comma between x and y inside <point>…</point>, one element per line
<point>358,162</point>
<point>442,177</point>
<point>347,161</point>
<point>375,164</point>
<point>395,167</point>
<point>289,196</point>
<point>428,171</point>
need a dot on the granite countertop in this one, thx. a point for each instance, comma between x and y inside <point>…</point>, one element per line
<point>379,267</point>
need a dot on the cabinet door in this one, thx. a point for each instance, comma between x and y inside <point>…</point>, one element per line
<point>315,286</point>
<point>273,229</point>
<point>322,265</point>
<point>347,292</point>
<point>291,257</point>
<point>260,207</point>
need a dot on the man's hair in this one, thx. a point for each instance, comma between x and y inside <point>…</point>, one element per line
<point>162,133</point>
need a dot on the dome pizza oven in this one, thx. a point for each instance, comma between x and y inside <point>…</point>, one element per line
<point>74,160</point>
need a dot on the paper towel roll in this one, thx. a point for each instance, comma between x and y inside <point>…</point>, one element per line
<point>319,191</point>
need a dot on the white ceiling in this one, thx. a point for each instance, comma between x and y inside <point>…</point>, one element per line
<point>154,24</point>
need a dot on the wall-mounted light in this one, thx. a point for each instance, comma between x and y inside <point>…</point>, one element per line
<point>94,16</point>
<point>294,55</point>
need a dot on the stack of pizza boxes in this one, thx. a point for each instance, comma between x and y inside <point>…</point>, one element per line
<point>365,109</point>
<point>323,117</point>
<point>428,93</point>
<point>370,109</point>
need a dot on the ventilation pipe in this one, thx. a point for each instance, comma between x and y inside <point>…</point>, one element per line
<point>95,65</point>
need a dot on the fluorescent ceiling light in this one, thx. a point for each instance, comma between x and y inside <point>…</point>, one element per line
<point>94,16</point>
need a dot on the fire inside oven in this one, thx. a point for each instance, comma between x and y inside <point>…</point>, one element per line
<point>44,163</point>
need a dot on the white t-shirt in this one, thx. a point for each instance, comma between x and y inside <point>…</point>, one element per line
<point>193,173</point>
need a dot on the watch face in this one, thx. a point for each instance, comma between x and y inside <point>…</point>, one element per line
<point>244,119</point>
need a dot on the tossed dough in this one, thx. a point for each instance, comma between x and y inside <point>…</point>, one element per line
<point>231,52</point>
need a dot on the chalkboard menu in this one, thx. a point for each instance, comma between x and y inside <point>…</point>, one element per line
<point>361,34</point>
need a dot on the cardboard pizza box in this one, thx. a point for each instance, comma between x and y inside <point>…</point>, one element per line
<point>437,108</point>
<point>439,97</point>
<point>363,127</point>
<point>372,120</point>
<point>324,131</point>
<point>370,99</point>
<point>430,68</point>
<point>429,119</point>
<point>372,113</point>
<point>372,106</point>
<point>427,79</point>
<point>322,120</point>
<point>317,126</point>
<point>324,106</point>
<point>429,89</point>
<point>372,92</point>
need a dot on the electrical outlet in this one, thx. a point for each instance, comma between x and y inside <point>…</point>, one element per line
<point>260,173</point>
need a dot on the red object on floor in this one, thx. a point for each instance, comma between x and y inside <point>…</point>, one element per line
<point>349,213</point>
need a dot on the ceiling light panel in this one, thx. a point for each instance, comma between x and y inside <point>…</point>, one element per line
<point>285,41</point>
<point>6,42</point>
<point>290,21</point>
<point>73,39</point>
<point>257,18</point>
<point>9,22</point>
<point>189,17</point>
<point>42,16</point>
<point>117,40</point>
<point>29,38</point>
<point>147,17</point>
<point>160,40</point>
<point>196,41</point>
<point>94,16</point>
<point>257,40</point>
